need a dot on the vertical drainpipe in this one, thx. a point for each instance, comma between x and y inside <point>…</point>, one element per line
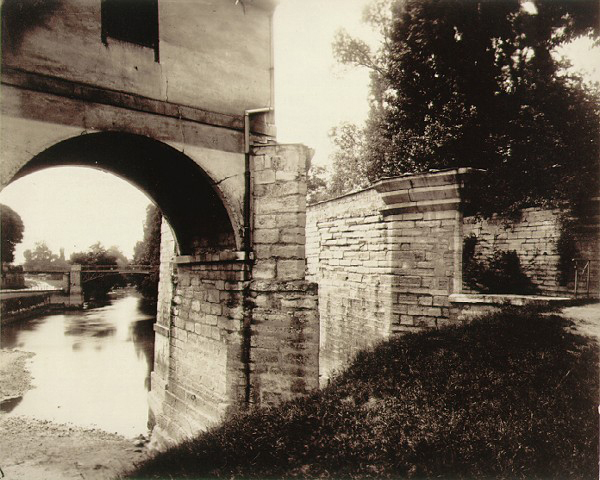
<point>247,246</point>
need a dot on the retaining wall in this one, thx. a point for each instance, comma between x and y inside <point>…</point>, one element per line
<point>535,235</point>
<point>23,305</point>
<point>388,259</point>
<point>385,259</point>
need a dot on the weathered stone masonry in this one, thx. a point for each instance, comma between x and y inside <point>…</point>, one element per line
<point>234,328</point>
<point>236,322</point>
<point>386,260</point>
<point>285,322</point>
<point>536,235</point>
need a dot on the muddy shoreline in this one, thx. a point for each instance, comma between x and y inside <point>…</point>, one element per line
<point>32,449</point>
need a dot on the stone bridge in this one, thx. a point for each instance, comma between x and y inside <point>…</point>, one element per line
<point>184,112</point>
<point>183,109</point>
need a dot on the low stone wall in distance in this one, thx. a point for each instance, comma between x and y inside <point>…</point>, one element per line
<point>536,237</point>
<point>23,305</point>
<point>13,280</point>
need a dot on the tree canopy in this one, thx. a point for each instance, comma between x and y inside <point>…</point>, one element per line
<point>147,252</point>
<point>476,83</point>
<point>42,258</point>
<point>11,230</point>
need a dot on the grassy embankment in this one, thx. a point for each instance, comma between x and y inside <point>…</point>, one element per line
<point>510,396</point>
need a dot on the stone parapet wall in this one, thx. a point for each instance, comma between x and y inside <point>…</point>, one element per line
<point>534,237</point>
<point>12,279</point>
<point>347,255</point>
<point>385,259</point>
<point>423,252</point>
<point>23,305</point>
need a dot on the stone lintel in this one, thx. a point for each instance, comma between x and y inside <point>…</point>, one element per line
<point>424,192</point>
<point>218,257</point>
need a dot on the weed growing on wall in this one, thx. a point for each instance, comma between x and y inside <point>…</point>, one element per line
<point>501,272</point>
<point>566,247</point>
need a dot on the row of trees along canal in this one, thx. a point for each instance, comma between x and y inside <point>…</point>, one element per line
<point>41,257</point>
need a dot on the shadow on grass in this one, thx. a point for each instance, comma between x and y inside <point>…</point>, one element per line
<point>513,395</point>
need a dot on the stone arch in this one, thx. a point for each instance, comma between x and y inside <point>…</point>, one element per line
<point>189,199</point>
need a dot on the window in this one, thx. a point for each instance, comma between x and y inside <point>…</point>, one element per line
<point>133,21</point>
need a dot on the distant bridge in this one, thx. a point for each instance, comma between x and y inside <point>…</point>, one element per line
<point>129,269</point>
<point>77,274</point>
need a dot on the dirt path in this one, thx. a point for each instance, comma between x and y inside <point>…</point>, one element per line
<point>586,319</point>
<point>33,449</point>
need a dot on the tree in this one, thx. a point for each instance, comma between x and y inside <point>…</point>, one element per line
<point>474,83</point>
<point>11,228</point>
<point>147,252</point>
<point>42,258</point>
<point>316,184</point>
<point>348,159</point>
<point>348,163</point>
<point>121,259</point>
<point>99,287</point>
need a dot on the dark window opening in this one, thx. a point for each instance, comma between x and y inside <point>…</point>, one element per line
<point>133,21</point>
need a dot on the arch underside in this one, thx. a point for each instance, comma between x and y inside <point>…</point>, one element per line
<point>175,183</point>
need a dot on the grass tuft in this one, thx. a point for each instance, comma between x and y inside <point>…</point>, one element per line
<point>508,396</point>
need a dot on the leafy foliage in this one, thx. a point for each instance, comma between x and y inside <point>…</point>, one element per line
<point>11,229</point>
<point>316,184</point>
<point>348,162</point>
<point>460,83</point>
<point>511,396</point>
<point>147,252</point>
<point>42,258</point>
<point>98,288</point>
<point>349,167</point>
<point>501,273</point>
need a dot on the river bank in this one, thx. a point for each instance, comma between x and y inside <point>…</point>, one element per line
<point>34,449</point>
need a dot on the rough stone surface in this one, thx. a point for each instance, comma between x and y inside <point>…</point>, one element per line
<point>231,334</point>
<point>383,265</point>
<point>236,322</point>
<point>535,236</point>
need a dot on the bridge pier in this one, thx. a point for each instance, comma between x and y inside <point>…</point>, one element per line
<point>238,329</point>
<point>75,292</point>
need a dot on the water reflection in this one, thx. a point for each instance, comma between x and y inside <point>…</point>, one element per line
<point>91,367</point>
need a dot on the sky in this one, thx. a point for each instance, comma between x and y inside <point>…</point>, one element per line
<point>73,208</point>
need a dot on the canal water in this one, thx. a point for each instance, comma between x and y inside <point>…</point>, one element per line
<point>91,368</point>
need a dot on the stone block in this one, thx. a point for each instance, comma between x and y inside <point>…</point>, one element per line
<point>288,251</point>
<point>290,269</point>
<point>264,177</point>
<point>264,270</point>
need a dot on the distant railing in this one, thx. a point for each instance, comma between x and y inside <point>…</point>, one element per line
<point>117,269</point>
<point>582,269</point>
<point>95,268</point>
